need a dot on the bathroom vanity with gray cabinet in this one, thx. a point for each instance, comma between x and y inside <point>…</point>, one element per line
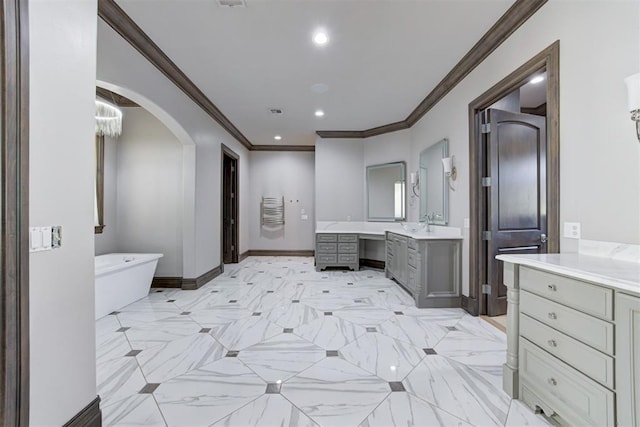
<point>425,264</point>
<point>337,250</point>
<point>428,268</point>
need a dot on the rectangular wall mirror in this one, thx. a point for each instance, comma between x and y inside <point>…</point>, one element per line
<point>434,190</point>
<point>386,192</point>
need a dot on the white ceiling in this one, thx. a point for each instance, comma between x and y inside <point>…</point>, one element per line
<point>382,59</point>
<point>532,95</point>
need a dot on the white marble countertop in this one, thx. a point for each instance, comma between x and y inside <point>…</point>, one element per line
<point>617,274</point>
<point>379,229</point>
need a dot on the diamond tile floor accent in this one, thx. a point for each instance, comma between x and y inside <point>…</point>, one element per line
<point>228,363</point>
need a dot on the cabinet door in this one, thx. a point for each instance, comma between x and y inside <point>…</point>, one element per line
<point>628,359</point>
<point>391,256</point>
<point>403,259</point>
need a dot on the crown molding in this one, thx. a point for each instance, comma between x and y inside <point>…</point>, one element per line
<point>340,133</point>
<point>118,100</point>
<point>284,148</point>
<point>508,23</point>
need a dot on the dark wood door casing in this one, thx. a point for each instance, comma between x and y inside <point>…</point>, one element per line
<point>229,235</point>
<point>516,200</point>
<point>14,213</point>
<point>549,60</point>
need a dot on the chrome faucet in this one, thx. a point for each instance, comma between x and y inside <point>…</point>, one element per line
<point>431,220</point>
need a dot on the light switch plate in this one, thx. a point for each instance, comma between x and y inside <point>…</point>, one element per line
<point>572,230</point>
<point>304,217</point>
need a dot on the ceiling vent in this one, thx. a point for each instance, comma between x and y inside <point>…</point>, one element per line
<point>232,3</point>
<point>276,111</point>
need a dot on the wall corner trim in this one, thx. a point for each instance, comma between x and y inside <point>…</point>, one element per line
<point>89,416</point>
<point>198,282</point>
<point>167,282</point>
<point>269,252</point>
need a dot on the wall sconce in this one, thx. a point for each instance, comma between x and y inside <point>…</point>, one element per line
<point>414,180</point>
<point>450,171</point>
<point>633,100</point>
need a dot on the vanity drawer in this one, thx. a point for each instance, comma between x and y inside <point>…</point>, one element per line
<point>347,237</point>
<point>346,258</point>
<point>580,295</point>
<point>588,329</point>
<point>326,248</point>
<point>412,258</point>
<point>567,390</point>
<point>347,248</point>
<point>396,238</point>
<point>326,258</point>
<point>412,244</point>
<point>326,237</point>
<point>590,362</point>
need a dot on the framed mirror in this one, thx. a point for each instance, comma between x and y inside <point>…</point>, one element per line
<point>386,192</point>
<point>434,190</point>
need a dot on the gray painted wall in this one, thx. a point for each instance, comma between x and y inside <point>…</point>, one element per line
<point>62,51</point>
<point>339,179</point>
<point>149,196</point>
<point>288,174</point>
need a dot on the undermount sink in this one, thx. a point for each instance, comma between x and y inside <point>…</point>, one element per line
<point>414,227</point>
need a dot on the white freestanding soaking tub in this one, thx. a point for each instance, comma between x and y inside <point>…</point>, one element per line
<point>122,279</point>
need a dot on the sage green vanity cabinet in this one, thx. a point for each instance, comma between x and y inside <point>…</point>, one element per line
<point>429,269</point>
<point>573,338</point>
<point>628,359</point>
<point>337,250</point>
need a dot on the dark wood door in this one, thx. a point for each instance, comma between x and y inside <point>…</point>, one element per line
<point>516,195</point>
<point>229,210</point>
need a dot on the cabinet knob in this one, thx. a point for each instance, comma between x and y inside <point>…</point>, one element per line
<point>552,381</point>
<point>552,288</point>
<point>552,343</point>
<point>553,316</point>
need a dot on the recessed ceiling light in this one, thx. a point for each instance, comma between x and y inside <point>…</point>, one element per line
<point>319,88</point>
<point>319,113</point>
<point>320,38</point>
<point>536,80</point>
<point>277,137</point>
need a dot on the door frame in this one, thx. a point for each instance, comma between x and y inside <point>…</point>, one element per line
<point>14,254</point>
<point>548,59</point>
<point>228,152</point>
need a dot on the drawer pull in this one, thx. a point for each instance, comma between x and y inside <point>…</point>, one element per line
<point>552,381</point>
<point>553,316</point>
<point>552,343</point>
<point>552,288</point>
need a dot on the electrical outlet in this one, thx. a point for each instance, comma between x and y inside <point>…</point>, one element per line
<point>572,230</point>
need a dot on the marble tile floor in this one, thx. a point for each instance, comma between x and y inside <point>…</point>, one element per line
<point>272,342</point>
